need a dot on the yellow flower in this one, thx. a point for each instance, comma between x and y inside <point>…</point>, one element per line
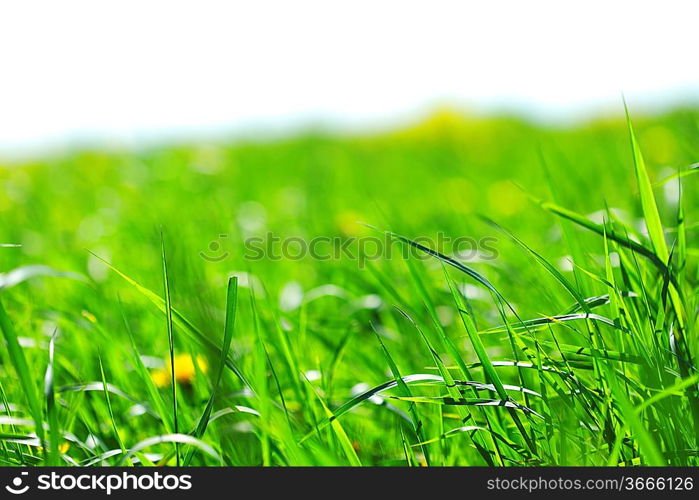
<point>184,370</point>
<point>62,448</point>
<point>89,316</point>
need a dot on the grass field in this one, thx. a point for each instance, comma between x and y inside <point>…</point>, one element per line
<point>566,336</point>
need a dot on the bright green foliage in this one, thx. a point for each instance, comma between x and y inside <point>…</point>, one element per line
<point>142,326</point>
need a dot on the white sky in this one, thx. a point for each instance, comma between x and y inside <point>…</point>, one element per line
<point>125,70</point>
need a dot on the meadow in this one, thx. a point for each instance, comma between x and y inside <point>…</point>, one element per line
<point>138,329</point>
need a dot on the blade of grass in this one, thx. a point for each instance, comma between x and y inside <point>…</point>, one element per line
<point>648,204</point>
<point>448,260</point>
<point>489,370</point>
<point>602,230</point>
<point>405,390</point>
<point>171,344</point>
<point>544,263</point>
<point>173,438</point>
<point>529,324</point>
<point>153,392</point>
<point>105,391</point>
<point>374,391</point>
<point>20,364</point>
<point>231,306</point>
<point>339,431</point>
<point>178,318</point>
<point>656,235</point>
<point>464,414</point>
<point>50,397</point>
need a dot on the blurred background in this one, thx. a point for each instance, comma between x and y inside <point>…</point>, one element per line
<point>132,72</point>
<point>237,118</point>
<point>131,127</point>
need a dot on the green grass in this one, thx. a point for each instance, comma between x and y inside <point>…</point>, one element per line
<point>576,345</point>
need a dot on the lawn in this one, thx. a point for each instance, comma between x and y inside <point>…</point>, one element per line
<point>458,291</point>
